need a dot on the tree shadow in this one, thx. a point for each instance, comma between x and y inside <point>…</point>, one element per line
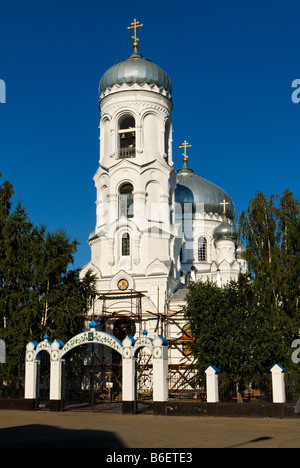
<point>259,439</point>
<point>42,436</point>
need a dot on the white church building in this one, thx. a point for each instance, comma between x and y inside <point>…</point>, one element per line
<point>157,227</point>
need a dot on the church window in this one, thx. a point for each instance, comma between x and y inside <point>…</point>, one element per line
<point>127,138</point>
<point>126,201</point>
<point>167,139</point>
<point>125,244</point>
<point>202,249</point>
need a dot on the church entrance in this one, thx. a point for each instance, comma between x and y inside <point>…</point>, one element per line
<point>43,381</point>
<point>92,379</point>
<point>144,375</point>
<point>86,372</point>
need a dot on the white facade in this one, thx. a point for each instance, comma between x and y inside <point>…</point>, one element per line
<point>143,253</point>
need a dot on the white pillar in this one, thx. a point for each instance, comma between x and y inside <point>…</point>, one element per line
<point>56,379</point>
<point>160,375</point>
<point>128,377</point>
<point>160,369</point>
<point>212,386</point>
<point>31,375</point>
<point>31,371</point>
<point>56,372</point>
<point>128,380</point>
<point>278,385</point>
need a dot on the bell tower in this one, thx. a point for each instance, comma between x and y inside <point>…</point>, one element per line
<point>135,180</point>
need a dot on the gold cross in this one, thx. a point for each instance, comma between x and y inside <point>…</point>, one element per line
<point>134,25</point>
<point>224,203</point>
<point>185,145</point>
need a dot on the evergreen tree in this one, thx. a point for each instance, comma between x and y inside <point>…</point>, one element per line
<point>39,292</point>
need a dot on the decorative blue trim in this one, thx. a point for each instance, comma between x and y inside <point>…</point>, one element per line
<point>282,368</point>
<point>215,369</point>
<point>93,324</point>
<point>61,344</point>
<point>131,339</point>
<point>164,340</point>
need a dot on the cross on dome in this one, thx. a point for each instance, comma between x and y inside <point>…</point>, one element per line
<point>185,145</point>
<point>134,25</point>
<point>224,203</point>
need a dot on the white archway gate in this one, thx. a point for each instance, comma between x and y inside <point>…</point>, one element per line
<point>128,349</point>
<point>159,350</point>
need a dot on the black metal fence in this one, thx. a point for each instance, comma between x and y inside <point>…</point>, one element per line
<point>245,389</point>
<point>88,381</point>
<point>241,389</point>
<point>11,388</point>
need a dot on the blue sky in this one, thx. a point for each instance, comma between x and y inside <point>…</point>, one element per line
<point>231,63</point>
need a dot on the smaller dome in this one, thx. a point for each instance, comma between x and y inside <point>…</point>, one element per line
<point>225,230</point>
<point>240,251</point>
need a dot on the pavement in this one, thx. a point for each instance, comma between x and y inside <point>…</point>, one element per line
<point>44,429</point>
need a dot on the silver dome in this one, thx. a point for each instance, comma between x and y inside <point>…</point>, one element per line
<point>193,188</point>
<point>225,230</point>
<point>241,250</point>
<point>135,69</point>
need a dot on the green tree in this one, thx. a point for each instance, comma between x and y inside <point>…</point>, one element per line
<point>271,230</point>
<point>39,292</point>
<point>229,328</point>
<point>247,326</point>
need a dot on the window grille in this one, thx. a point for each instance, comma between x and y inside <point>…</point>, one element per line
<point>202,249</point>
<point>125,244</point>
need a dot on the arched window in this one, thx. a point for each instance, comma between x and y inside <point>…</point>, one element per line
<point>202,249</point>
<point>126,201</point>
<point>125,244</point>
<point>127,137</point>
<point>167,138</point>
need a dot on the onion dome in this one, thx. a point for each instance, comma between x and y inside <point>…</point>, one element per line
<point>225,231</point>
<point>193,188</point>
<point>93,324</point>
<point>240,251</point>
<point>135,70</point>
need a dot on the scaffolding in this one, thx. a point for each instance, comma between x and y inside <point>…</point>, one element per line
<point>133,320</point>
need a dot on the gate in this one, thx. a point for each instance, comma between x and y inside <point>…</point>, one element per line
<point>144,374</point>
<point>43,381</point>
<point>91,380</point>
<point>103,371</point>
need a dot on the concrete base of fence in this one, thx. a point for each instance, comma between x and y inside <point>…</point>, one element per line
<point>176,408</point>
<point>56,405</point>
<point>129,407</point>
<point>159,408</point>
<point>272,410</point>
<point>18,404</point>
